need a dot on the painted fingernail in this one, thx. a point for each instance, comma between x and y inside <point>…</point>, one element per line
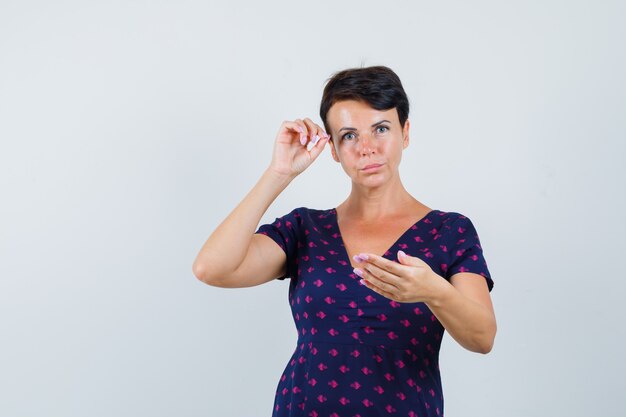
<point>363,256</point>
<point>303,140</point>
<point>315,139</point>
<point>402,253</point>
<point>362,282</point>
<point>358,272</point>
<point>357,258</point>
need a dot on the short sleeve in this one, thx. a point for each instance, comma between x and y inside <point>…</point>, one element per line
<point>467,253</point>
<point>284,231</point>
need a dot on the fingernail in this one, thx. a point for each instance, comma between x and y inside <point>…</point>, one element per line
<point>315,139</point>
<point>402,254</point>
<point>357,258</point>
<point>358,272</point>
<point>363,256</point>
<point>362,282</point>
<point>303,140</point>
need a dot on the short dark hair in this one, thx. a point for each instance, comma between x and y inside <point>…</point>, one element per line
<point>378,86</point>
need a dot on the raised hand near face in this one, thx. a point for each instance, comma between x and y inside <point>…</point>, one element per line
<point>298,143</point>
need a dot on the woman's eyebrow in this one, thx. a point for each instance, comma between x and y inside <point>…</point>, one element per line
<point>374,125</point>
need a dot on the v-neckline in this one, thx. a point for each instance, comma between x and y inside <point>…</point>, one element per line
<point>398,240</point>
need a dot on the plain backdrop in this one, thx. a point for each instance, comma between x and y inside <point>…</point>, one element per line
<point>130,129</point>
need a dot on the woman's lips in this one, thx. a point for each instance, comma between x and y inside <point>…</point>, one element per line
<point>372,167</point>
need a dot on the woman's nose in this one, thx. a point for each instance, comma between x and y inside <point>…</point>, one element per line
<point>366,144</point>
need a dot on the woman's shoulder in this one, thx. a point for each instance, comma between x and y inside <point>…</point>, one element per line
<point>448,215</point>
<point>456,225</point>
<point>308,211</point>
<point>308,215</point>
<point>450,219</point>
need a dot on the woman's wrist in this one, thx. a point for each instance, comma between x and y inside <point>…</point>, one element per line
<point>440,290</point>
<point>275,176</point>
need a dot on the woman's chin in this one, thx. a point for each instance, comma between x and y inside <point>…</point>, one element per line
<point>371,180</point>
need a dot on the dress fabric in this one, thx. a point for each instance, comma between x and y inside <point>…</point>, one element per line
<point>358,353</point>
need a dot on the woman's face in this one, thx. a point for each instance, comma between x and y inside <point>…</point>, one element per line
<point>362,136</point>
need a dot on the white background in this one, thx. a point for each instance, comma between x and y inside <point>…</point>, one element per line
<point>130,129</point>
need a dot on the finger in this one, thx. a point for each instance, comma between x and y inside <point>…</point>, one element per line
<point>311,129</point>
<point>315,131</point>
<point>379,290</point>
<point>317,148</point>
<point>303,131</point>
<point>381,278</point>
<point>394,270</point>
<point>296,126</point>
<point>321,132</point>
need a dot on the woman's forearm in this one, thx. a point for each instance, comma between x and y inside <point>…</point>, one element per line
<point>470,323</point>
<point>227,246</point>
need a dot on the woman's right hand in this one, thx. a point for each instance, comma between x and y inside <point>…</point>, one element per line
<point>291,156</point>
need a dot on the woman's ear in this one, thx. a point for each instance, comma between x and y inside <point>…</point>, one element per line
<point>331,142</point>
<point>405,134</point>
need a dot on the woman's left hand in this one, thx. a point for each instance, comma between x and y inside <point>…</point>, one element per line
<point>409,281</point>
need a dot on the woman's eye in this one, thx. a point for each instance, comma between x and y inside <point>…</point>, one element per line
<point>382,127</point>
<point>346,135</point>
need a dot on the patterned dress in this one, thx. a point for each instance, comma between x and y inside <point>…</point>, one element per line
<point>360,354</point>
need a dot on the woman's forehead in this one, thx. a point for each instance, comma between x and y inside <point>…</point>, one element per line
<point>358,114</point>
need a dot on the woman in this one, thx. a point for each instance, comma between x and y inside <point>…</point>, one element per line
<point>374,281</point>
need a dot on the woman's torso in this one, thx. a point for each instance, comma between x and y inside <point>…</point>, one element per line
<point>376,237</point>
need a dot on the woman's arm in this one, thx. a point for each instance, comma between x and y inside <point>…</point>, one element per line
<point>463,305</point>
<point>464,308</point>
<point>227,246</point>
